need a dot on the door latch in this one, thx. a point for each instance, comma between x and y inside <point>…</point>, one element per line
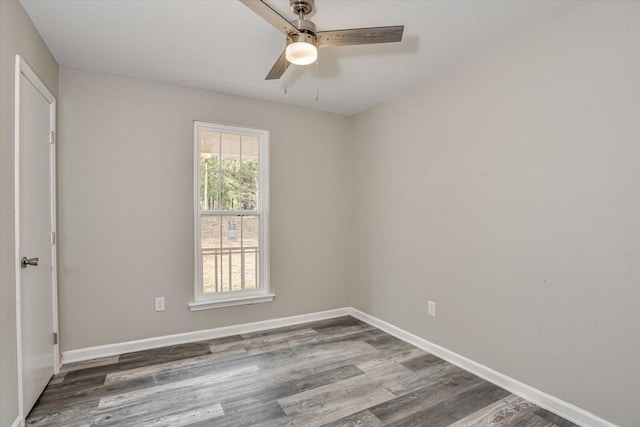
<point>28,261</point>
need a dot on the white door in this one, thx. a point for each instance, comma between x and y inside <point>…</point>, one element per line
<point>35,224</point>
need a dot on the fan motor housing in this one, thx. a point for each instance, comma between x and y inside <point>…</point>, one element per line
<point>304,25</point>
<point>302,37</point>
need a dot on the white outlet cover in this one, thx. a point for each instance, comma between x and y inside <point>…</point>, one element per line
<point>431,309</point>
<point>160,304</point>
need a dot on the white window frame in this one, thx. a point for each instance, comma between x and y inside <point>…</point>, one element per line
<point>263,293</point>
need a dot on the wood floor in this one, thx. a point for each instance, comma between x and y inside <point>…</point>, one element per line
<point>338,372</point>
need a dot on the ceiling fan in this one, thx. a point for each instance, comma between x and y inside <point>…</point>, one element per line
<point>303,40</point>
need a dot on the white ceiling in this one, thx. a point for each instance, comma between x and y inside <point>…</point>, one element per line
<point>221,45</point>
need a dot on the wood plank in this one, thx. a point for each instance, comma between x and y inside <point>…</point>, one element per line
<point>556,420</point>
<point>192,405</point>
<point>283,336</point>
<point>194,396</point>
<point>65,395</point>
<point>426,377</point>
<point>533,421</point>
<point>58,378</point>
<point>441,389</point>
<point>334,401</point>
<point>152,370</point>
<point>250,415</point>
<point>332,334</point>
<point>73,415</point>
<point>356,36</point>
<point>505,411</point>
<point>359,419</point>
<point>422,362</point>
<point>276,387</point>
<point>90,363</point>
<point>175,388</point>
<point>187,418</point>
<point>451,410</point>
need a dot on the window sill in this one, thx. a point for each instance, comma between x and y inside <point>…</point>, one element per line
<point>229,302</point>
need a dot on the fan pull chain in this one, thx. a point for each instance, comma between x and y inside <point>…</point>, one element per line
<point>316,80</point>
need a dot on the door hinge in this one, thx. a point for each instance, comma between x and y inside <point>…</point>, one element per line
<point>52,137</point>
<point>53,237</point>
<point>55,338</point>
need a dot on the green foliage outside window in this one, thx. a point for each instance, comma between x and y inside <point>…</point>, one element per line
<point>227,185</point>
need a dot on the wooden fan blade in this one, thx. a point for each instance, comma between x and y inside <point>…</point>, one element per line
<point>360,36</point>
<point>278,68</point>
<point>270,15</point>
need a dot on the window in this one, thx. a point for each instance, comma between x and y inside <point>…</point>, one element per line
<point>231,216</point>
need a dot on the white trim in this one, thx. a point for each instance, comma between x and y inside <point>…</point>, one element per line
<point>22,68</point>
<point>551,403</point>
<point>18,422</point>
<point>230,302</point>
<point>54,230</point>
<point>89,353</point>
<point>196,212</point>
<point>263,293</point>
<point>16,202</point>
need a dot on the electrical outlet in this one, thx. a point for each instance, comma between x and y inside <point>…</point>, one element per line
<point>160,304</point>
<point>431,308</point>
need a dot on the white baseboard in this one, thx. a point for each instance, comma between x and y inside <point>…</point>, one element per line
<point>564,409</point>
<point>89,353</point>
<point>557,406</point>
<point>17,422</point>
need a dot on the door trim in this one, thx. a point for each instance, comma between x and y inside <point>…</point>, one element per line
<point>23,69</point>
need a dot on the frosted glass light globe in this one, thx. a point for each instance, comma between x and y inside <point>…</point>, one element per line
<point>301,53</point>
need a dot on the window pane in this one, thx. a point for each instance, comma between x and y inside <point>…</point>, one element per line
<point>209,165</point>
<point>250,154</point>
<point>210,148</point>
<point>210,242</point>
<point>250,252</point>
<point>249,192</point>
<point>231,189</point>
<point>230,153</point>
<point>209,189</point>
<point>230,252</point>
<point>210,231</point>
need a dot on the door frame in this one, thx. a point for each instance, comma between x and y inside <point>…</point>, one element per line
<point>22,68</point>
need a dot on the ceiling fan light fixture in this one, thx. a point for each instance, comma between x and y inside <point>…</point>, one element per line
<point>301,49</point>
<point>302,53</point>
<point>303,39</point>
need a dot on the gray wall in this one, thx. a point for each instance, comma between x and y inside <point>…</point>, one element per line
<point>126,212</point>
<point>17,36</point>
<point>506,190</point>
